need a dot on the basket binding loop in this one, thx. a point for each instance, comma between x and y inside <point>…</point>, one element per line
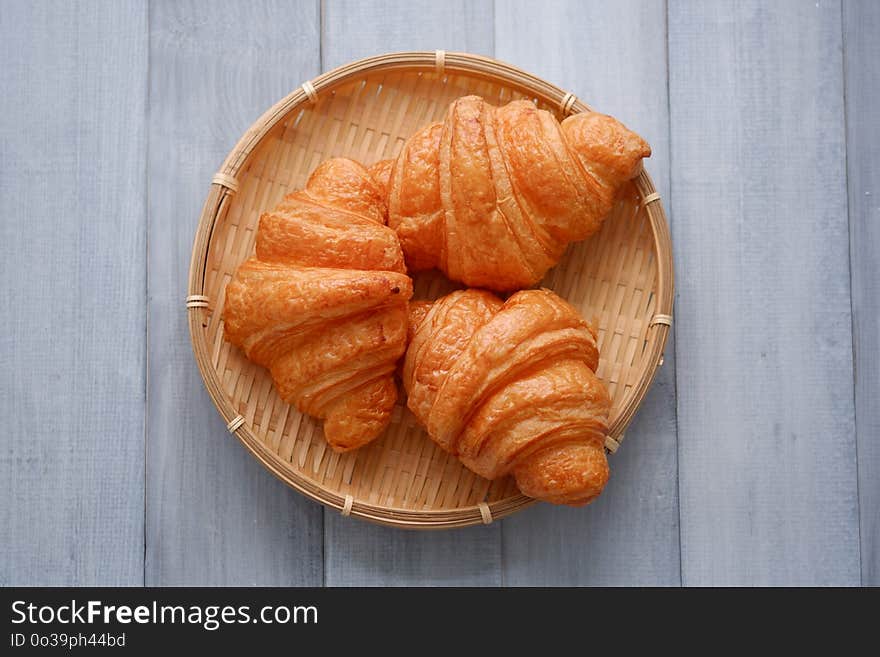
<point>485,512</point>
<point>227,181</point>
<point>650,198</point>
<point>196,301</point>
<point>235,423</point>
<point>309,90</point>
<point>440,61</point>
<point>611,444</point>
<point>346,506</point>
<point>660,318</point>
<point>567,103</point>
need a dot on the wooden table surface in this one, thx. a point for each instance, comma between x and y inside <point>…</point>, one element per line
<point>755,458</point>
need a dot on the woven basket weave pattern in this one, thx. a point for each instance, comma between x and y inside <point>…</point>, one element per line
<point>403,478</point>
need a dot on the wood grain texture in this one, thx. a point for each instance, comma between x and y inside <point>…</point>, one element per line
<point>214,515</point>
<point>764,365</point>
<point>354,29</point>
<point>72,202</point>
<point>613,57</point>
<point>358,554</point>
<point>862,52</point>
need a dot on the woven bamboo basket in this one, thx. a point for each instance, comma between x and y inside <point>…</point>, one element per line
<point>621,279</point>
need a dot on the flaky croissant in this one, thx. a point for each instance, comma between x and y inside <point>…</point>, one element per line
<point>323,305</point>
<point>493,195</point>
<point>510,388</point>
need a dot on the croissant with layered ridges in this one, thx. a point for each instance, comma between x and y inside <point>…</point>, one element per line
<point>509,387</point>
<point>323,305</point>
<point>493,195</point>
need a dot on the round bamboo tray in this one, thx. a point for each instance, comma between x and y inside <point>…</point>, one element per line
<point>621,279</point>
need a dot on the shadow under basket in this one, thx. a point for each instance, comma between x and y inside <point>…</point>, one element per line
<point>621,279</point>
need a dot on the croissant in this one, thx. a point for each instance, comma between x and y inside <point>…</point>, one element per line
<point>510,388</point>
<point>323,305</point>
<point>493,195</point>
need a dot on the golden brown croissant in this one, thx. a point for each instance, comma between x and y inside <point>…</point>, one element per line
<point>510,388</point>
<point>323,305</point>
<point>493,195</point>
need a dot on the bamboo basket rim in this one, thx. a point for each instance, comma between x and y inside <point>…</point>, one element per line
<point>224,184</point>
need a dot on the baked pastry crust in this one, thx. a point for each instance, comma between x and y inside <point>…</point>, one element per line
<point>493,195</point>
<point>323,305</point>
<point>509,387</point>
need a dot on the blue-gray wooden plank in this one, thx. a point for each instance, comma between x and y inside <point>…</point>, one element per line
<point>72,203</point>
<point>358,554</point>
<point>766,430</point>
<point>355,29</point>
<point>613,56</point>
<point>214,515</point>
<point>862,53</point>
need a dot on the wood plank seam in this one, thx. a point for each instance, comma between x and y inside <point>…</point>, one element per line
<point>849,227</point>
<point>859,21</point>
<point>673,329</point>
